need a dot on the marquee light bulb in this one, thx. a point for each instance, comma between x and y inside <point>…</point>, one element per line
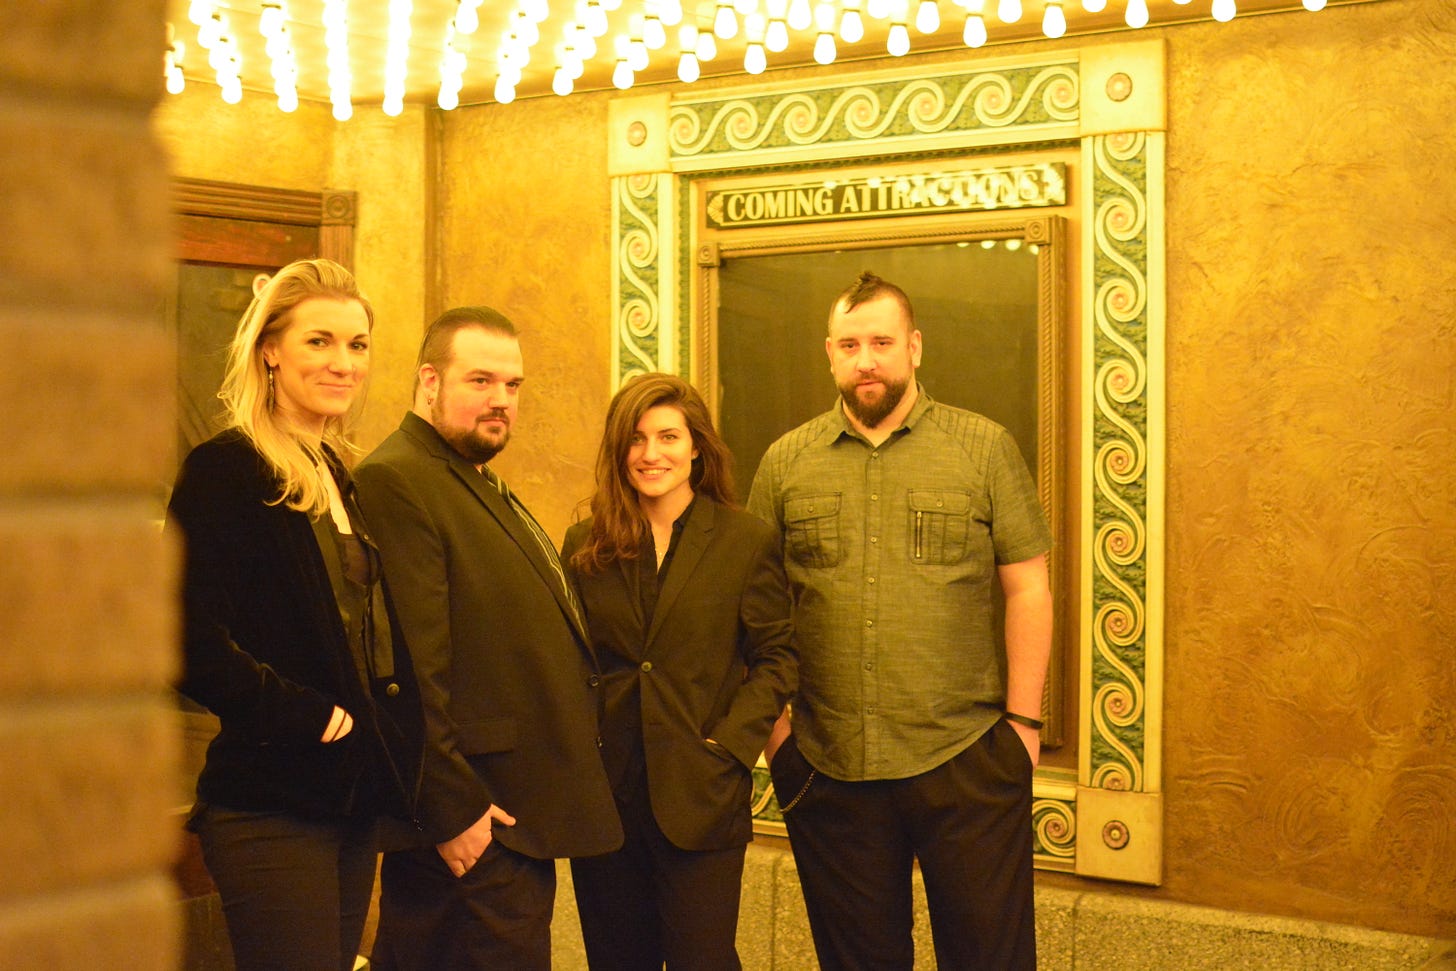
<point>1054,20</point>
<point>898,42</point>
<point>1097,6</point>
<point>505,91</point>
<point>1224,10</point>
<point>1009,11</point>
<point>595,19</point>
<point>654,35</point>
<point>688,69</point>
<point>622,75</point>
<point>1137,13</point>
<point>637,57</point>
<point>449,98</point>
<point>707,46</point>
<point>927,17</point>
<point>754,59</point>
<point>975,31</point>
<point>1314,6</point>
<point>725,21</point>
<point>176,83</point>
<point>561,81</point>
<point>801,15</point>
<point>851,26</point>
<point>776,37</point>
<point>878,9</point>
<point>467,21</point>
<point>824,52</point>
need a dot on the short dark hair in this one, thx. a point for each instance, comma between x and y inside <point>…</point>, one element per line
<point>438,347</point>
<point>867,287</point>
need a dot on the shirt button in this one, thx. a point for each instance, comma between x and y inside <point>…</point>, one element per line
<point>869,623</point>
<point>593,681</point>
<point>870,710</point>
<point>646,666</point>
<point>875,496</point>
<point>869,665</point>
<point>392,691</point>
<point>874,539</point>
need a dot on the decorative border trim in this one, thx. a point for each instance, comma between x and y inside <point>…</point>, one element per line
<point>1015,102</point>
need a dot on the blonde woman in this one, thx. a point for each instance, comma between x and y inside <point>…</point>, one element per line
<point>286,634</point>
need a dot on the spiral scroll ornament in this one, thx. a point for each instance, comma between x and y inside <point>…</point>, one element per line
<point>638,303</point>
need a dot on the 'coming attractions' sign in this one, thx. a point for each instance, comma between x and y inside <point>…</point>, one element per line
<point>1002,187</point>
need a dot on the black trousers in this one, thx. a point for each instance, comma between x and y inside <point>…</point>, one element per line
<point>496,916</point>
<point>294,892</point>
<point>651,902</point>
<point>968,822</point>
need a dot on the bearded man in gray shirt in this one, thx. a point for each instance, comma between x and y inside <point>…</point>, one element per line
<point>916,730</point>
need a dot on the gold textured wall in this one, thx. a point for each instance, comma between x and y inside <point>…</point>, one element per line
<point>1310,747</point>
<point>383,159</point>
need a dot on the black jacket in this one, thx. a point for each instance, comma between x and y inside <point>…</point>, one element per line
<point>265,649</point>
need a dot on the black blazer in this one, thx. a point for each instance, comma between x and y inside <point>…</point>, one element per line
<point>264,648</point>
<point>717,662</point>
<point>510,687</point>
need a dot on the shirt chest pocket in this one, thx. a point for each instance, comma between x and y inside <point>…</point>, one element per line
<point>811,530</point>
<point>940,526</point>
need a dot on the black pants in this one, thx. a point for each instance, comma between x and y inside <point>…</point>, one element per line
<point>651,902</point>
<point>967,821</point>
<point>294,892</point>
<point>495,917</point>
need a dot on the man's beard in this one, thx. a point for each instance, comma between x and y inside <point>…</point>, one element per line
<point>472,443</point>
<point>871,413</point>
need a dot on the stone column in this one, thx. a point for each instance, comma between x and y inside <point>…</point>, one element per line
<point>88,733</point>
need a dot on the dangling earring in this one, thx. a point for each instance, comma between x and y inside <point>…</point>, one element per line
<point>270,385</point>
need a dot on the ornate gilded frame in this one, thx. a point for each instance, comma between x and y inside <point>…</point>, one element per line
<point>1104,820</point>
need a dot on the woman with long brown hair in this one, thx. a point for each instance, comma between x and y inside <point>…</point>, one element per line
<point>688,608</point>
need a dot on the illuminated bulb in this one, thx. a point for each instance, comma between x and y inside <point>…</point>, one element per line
<point>288,101</point>
<point>707,46</point>
<point>232,92</point>
<point>927,17</point>
<point>198,11</point>
<point>898,43</point>
<point>801,15</point>
<point>561,81</point>
<point>622,75</point>
<point>176,83</point>
<point>271,20</point>
<point>611,5</point>
<point>1314,5</point>
<point>725,22</point>
<point>343,111</point>
<point>654,35</point>
<point>754,59</point>
<point>467,21</point>
<point>1097,6</point>
<point>975,33</point>
<point>637,55</point>
<point>1009,11</point>
<point>393,107</point>
<point>1053,19</point>
<point>670,12</point>
<point>776,37</point>
<point>878,9</point>
<point>688,70</point>
<point>595,19</point>
<point>449,99</point>
<point>1224,10</point>
<point>824,51</point>
<point>505,91</point>
<point>851,26</point>
<point>211,32</point>
<point>1137,13</point>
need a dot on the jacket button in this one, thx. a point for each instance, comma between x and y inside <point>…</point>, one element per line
<point>646,666</point>
<point>593,681</point>
<point>392,690</point>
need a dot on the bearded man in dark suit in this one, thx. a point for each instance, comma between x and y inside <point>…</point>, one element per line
<point>513,777</point>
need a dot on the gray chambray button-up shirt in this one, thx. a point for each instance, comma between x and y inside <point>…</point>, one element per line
<point>891,555</point>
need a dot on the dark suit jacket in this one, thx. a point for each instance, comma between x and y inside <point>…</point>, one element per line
<point>716,662</point>
<point>264,648</point>
<point>509,685</point>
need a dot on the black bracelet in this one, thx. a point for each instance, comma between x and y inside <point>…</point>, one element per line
<point>1032,723</point>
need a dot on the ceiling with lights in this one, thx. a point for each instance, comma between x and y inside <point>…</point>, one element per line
<point>373,55</point>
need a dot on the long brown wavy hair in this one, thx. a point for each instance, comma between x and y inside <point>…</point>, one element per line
<point>618,525</point>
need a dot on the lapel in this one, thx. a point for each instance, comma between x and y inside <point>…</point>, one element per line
<point>500,508</point>
<point>691,546</point>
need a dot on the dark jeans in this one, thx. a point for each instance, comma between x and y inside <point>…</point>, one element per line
<point>294,892</point>
<point>495,917</point>
<point>651,902</point>
<point>968,822</point>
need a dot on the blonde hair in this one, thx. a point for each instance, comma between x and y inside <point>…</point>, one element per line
<point>247,396</point>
